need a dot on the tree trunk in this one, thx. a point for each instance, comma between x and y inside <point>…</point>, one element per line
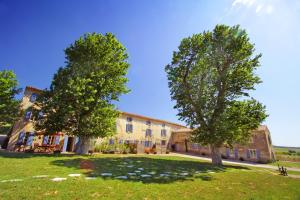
<point>84,145</point>
<point>216,155</point>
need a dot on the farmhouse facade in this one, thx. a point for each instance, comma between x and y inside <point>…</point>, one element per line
<point>148,134</point>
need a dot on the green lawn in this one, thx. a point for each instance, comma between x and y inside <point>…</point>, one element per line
<point>171,178</point>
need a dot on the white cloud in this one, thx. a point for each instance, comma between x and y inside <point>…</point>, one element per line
<point>269,9</point>
<point>260,7</point>
<point>247,3</point>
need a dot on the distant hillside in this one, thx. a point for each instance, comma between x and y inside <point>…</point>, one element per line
<point>287,148</point>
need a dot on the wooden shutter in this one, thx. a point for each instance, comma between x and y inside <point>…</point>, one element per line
<point>236,153</point>
<point>30,139</point>
<point>28,115</point>
<point>257,153</point>
<point>21,137</point>
<point>56,142</point>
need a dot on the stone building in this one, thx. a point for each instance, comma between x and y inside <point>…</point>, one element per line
<point>258,149</point>
<point>145,132</point>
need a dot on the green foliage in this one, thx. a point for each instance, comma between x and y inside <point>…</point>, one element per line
<point>210,77</point>
<point>105,147</point>
<point>81,96</point>
<point>9,106</point>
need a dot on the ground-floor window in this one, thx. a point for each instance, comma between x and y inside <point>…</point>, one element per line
<point>25,138</point>
<point>148,143</point>
<point>51,140</point>
<point>163,142</point>
<point>252,153</point>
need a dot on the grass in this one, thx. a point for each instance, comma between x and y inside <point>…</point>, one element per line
<point>188,178</point>
<point>287,153</point>
<point>287,164</point>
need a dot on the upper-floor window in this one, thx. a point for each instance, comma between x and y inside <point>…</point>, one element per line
<point>163,125</point>
<point>148,132</point>
<point>148,123</point>
<point>129,128</point>
<point>129,119</point>
<point>28,115</point>
<point>163,133</point>
<point>33,97</point>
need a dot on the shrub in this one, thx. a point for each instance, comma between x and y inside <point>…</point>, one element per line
<point>242,159</point>
<point>292,152</point>
<point>97,148</point>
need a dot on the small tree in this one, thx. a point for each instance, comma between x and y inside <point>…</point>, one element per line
<point>210,77</point>
<point>9,105</point>
<point>81,96</point>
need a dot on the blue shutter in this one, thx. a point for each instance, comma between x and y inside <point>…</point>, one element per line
<point>228,152</point>
<point>111,141</point>
<point>150,132</point>
<point>236,153</point>
<point>30,139</point>
<point>45,140</point>
<point>248,153</point>
<point>28,115</point>
<point>41,115</point>
<point>33,97</point>
<point>57,137</point>
<point>257,153</point>
<point>21,137</point>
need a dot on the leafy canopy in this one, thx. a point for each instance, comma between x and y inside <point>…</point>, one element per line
<point>210,77</point>
<point>81,96</point>
<point>9,106</point>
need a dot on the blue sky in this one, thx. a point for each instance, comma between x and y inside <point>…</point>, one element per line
<point>33,35</point>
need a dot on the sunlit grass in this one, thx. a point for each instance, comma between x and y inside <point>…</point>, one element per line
<point>170,178</point>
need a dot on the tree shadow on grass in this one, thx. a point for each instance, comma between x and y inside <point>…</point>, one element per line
<point>145,169</point>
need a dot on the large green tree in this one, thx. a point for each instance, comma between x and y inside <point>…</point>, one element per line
<point>9,105</point>
<point>81,98</point>
<point>210,77</point>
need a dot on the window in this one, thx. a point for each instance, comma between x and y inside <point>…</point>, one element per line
<point>148,123</point>
<point>148,143</point>
<point>120,141</point>
<point>163,125</point>
<point>50,140</point>
<point>148,132</point>
<point>33,97</point>
<point>129,128</point>
<point>129,119</point>
<point>163,133</point>
<point>252,153</point>
<point>163,142</point>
